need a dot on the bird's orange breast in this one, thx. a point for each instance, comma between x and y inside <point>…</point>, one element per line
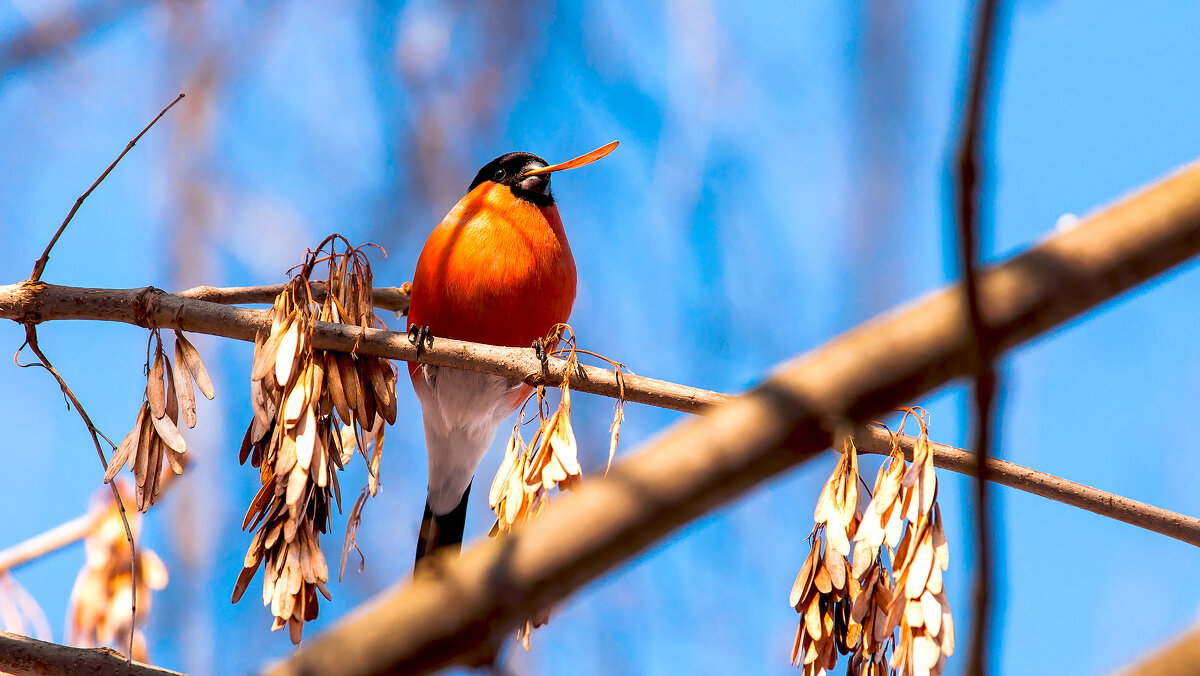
<point>497,270</point>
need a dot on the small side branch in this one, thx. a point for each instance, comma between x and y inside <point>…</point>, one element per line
<point>1163,521</point>
<point>40,265</point>
<point>22,656</point>
<point>386,298</point>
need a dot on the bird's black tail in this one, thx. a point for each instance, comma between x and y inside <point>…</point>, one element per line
<point>446,530</point>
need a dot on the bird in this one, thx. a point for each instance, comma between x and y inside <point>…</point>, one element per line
<point>498,270</point>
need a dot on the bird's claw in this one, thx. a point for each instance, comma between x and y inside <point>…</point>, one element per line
<point>418,335</point>
<point>539,351</point>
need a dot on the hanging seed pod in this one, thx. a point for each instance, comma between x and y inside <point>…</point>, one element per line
<point>155,436</point>
<point>306,401</point>
<point>865,608</point>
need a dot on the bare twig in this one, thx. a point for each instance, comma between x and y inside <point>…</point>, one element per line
<point>970,166</point>
<point>32,342</point>
<point>387,298</point>
<point>45,543</point>
<point>1165,522</point>
<point>463,609</point>
<point>40,265</point>
<point>25,656</point>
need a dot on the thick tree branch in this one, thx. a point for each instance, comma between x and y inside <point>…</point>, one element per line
<point>461,611</point>
<point>24,656</point>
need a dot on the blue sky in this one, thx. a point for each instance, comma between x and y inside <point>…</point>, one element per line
<point>783,176</point>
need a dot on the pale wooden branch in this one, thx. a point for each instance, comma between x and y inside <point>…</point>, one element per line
<point>390,298</point>
<point>462,610</point>
<point>24,656</point>
<point>1180,657</point>
<point>47,542</point>
<point>148,307</point>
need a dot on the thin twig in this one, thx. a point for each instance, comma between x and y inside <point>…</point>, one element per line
<point>390,298</point>
<point>40,265</point>
<point>32,342</point>
<point>971,164</point>
<point>1181,527</point>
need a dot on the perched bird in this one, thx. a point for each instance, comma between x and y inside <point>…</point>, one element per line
<point>497,270</point>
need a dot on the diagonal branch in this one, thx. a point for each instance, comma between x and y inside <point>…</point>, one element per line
<point>1163,521</point>
<point>461,611</point>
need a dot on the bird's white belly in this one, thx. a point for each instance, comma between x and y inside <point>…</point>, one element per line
<point>461,411</point>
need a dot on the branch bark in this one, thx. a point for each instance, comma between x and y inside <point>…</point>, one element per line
<point>461,611</point>
<point>22,656</point>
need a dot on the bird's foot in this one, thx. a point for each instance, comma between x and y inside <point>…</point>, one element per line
<point>418,335</point>
<point>539,351</point>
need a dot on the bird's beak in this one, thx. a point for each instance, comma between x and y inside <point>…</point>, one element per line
<point>580,161</point>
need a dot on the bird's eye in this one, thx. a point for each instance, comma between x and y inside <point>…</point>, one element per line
<point>498,176</point>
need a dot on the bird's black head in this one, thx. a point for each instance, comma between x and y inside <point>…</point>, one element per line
<point>510,170</point>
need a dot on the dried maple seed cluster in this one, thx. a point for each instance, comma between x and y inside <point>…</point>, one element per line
<point>312,408</point>
<point>100,607</point>
<point>862,616</point>
<point>521,488</point>
<point>824,590</point>
<point>155,434</point>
